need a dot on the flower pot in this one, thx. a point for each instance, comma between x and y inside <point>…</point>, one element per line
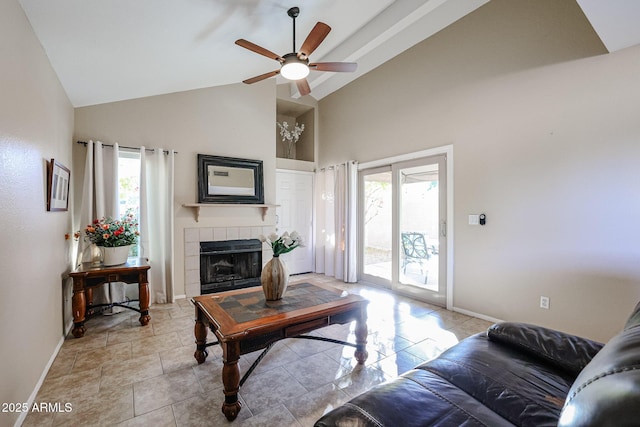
<point>274,279</point>
<point>114,255</point>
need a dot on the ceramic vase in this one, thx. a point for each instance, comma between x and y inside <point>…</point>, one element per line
<point>274,279</point>
<point>114,255</point>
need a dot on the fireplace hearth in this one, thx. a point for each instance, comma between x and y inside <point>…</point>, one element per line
<point>230,264</point>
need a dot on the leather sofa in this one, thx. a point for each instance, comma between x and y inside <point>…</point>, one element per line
<point>514,374</point>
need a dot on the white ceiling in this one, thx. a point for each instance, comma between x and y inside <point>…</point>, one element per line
<point>104,51</point>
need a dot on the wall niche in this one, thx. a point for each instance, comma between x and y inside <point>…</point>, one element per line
<point>292,113</point>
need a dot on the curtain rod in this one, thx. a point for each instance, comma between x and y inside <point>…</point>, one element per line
<point>123,146</point>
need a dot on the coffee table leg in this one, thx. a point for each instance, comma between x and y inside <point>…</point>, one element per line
<point>200,331</point>
<point>361,337</point>
<point>231,380</point>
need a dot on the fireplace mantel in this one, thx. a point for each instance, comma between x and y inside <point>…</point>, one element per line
<point>197,206</point>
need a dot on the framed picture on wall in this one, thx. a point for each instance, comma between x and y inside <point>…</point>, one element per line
<point>58,178</point>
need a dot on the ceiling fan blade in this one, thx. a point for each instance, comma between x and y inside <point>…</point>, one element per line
<point>261,77</point>
<point>334,66</point>
<point>258,49</point>
<point>313,40</point>
<point>303,87</point>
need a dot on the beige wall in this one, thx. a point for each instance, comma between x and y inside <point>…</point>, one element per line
<point>36,124</point>
<point>234,120</point>
<point>545,135</point>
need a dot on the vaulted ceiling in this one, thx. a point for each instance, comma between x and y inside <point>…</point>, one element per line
<point>104,51</point>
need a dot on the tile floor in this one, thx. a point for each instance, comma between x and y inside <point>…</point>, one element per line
<point>122,374</point>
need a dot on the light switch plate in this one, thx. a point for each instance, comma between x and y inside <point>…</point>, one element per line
<point>474,219</point>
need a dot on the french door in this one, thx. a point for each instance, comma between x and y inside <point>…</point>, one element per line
<point>403,227</point>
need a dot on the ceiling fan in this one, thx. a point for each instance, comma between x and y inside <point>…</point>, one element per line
<point>295,65</point>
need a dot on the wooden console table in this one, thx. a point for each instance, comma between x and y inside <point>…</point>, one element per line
<point>88,276</point>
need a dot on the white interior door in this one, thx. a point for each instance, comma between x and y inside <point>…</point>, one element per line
<point>294,195</point>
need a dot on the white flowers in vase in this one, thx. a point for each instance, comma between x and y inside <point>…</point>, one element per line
<point>290,137</point>
<point>282,244</point>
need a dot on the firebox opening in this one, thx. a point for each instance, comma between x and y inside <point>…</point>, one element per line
<point>230,264</point>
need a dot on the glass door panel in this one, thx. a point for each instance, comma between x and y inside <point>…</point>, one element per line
<point>376,244</point>
<point>421,228</point>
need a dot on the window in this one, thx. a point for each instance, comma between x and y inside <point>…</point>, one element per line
<point>129,187</point>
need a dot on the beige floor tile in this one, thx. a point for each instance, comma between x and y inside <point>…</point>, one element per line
<point>269,389</point>
<point>209,374</point>
<point>63,364</point>
<point>135,333</point>
<point>96,358</point>
<point>102,409</point>
<point>155,344</point>
<point>173,324</point>
<point>315,371</point>
<point>361,379</point>
<point>187,337</point>
<point>304,347</point>
<point>277,416</point>
<point>164,390</point>
<point>206,410</point>
<point>162,417</point>
<point>87,342</point>
<point>309,407</point>
<point>65,388</point>
<point>38,419</point>
<point>121,372</point>
<point>178,358</point>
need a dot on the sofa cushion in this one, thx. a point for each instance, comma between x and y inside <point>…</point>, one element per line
<point>566,351</point>
<point>416,398</point>
<point>517,385</point>
<point>607,391</point>
<point>634,319</point>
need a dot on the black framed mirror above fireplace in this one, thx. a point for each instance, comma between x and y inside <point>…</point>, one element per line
<point>230,264</point>
<point>229,180</point>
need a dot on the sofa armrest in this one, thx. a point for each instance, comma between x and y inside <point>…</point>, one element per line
<point>568,352</point>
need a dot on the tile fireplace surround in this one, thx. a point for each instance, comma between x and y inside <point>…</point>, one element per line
<point>193,237</point>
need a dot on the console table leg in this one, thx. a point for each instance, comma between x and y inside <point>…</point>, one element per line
<point>79,307</point>
<point>361,338</point>
<point>88,293</point>
<point>231,380</point>
<point>143,291</point>
<point>200,332</point>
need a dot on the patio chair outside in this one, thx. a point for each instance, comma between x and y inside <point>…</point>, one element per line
<point>414,248</point>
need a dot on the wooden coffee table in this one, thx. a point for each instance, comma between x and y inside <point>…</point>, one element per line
<point>244,322</point>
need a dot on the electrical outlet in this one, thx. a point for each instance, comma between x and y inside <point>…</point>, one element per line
<point>544,303</point>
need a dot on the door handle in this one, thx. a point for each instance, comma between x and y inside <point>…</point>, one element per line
<point>443,229</point>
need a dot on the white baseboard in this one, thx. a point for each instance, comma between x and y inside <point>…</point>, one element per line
<point>35,391</point>
<point>478,315</point>
<point>175,297</point>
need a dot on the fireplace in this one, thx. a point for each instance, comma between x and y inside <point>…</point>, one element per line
<point>230,264</point>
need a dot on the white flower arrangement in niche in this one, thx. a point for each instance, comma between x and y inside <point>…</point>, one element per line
<point>290,137</point>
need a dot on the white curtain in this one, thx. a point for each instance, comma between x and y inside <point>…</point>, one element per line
<point>336,254</point>
<point>99,199</point>
<point>156,220</point>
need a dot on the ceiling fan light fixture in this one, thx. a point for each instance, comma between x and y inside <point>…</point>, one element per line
<point>294,68</point>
